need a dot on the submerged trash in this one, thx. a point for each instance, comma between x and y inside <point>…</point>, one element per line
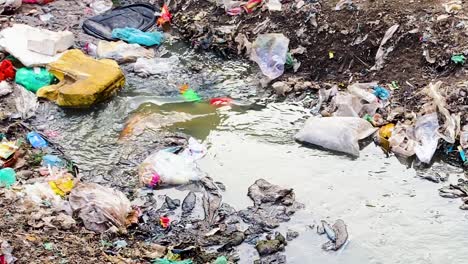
<point>34,79</point>
<point>165,168</point>
<point>100,207</point>
<point>269,51</point>
<point>221,101</point>
<point>336,133</point>
<point>138,16</point>
<point>36,140</point>
<point>155,66</point>
<point>189,94</point>
<point>7,177</point>
<point>121,51</point>
<point>84,81</point>
<point>133,35</point>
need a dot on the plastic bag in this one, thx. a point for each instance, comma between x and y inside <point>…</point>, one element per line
<point>274,5</point>
<point>5,88</point>
<point>346,105</point>
<point>6,70</point>
<point>100,207</point>
<point>7,177</point>
<point>33,79</point>
<point>402,140</point>
<point>155,66</point>
<point>195,150</point>
<point>450,125</point>
<point>336,133</point>
<point>121,51</point>
<point>101,6</point>
<point>133,35</point>
<point>40,193</point>
<point>165,168</point>
<point>25,102</point>
<point>361,91</point>
<point>425,131</point>
<point>269,51</point>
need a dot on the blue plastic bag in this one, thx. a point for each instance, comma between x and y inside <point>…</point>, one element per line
<point>53,161</point>
<point>36,140</point>
<point>133,35</point>
<point>381,92</point>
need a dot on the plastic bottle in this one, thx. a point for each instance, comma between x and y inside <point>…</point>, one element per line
<point>36,140</point>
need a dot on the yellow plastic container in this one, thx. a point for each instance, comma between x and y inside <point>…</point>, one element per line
<point>84,81</point>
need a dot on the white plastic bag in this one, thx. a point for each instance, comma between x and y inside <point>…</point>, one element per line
<point>101,6</point>
<point>195,150</point>
<point>361,90</point>
<point>165,168</point>
<point>269,51</point>
<point>274,5</point>
<point>25,102</point>
<point>336,133</point>
<point>425,132</point>
<point>122,51</point>
<point>100,207</point>
<point>155,66</point>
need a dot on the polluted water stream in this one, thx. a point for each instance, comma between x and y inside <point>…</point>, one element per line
<point>392,215</point>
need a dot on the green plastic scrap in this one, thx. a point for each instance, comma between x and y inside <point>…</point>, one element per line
<point>49,246</point>
<point>289,61</point>
<point>191,96</point>
<point>167,261</point>
<point>221,260</point>
<point>458,59</point>
<point>7,177</point>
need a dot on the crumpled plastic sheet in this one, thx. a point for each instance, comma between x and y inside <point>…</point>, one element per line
<point>269,51</point>
<point>25,102</point>
<point>425,131</point>
<point>451,126</point>
<point>100,207</point>
<point>383,52</point>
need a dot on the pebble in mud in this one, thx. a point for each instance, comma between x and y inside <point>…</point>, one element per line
<point>268,247</point>
<point>189,202</point>
<point>291,234</point>
<point>171,204</point>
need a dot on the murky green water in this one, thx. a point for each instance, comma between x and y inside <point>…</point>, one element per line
<point>392,216</point>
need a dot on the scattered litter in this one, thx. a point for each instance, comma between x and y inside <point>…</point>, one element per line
<point>189,94</point>
<point>6,251</point>
<point>25,102</point>
<point>381,92</point>
<point>274,5</point>
<point>425,131</point>
<point>195,150</point>
<point>221,101</point>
